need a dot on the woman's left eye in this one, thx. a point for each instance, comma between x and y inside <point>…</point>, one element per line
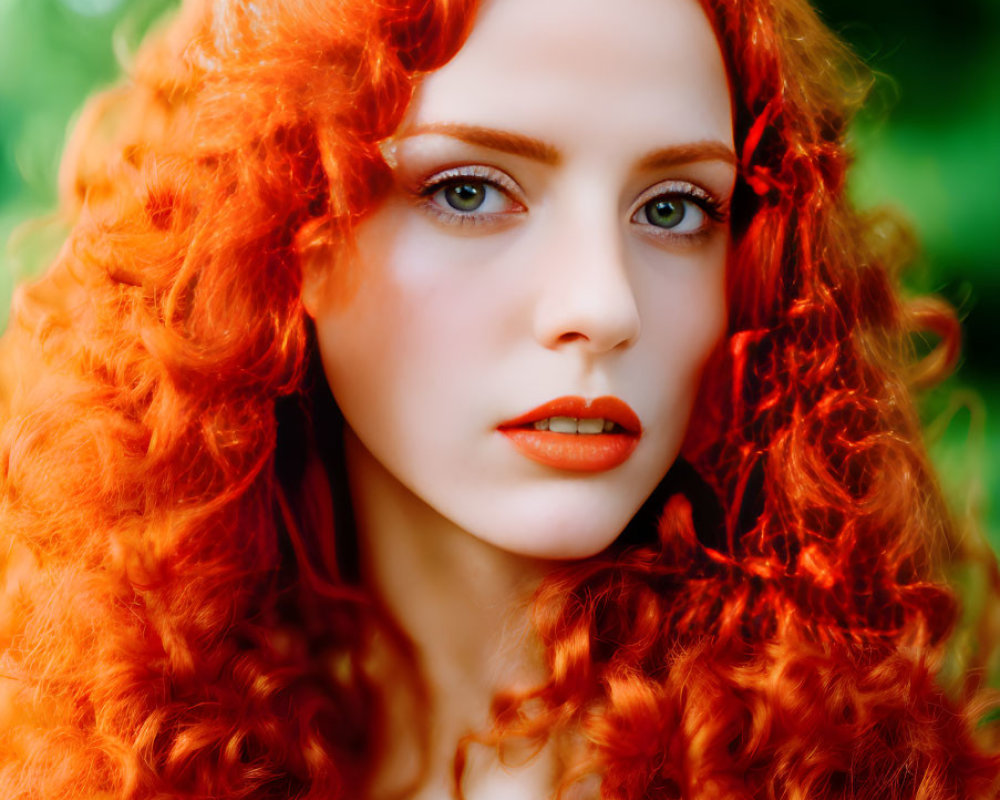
<point>672,212</point>
<point>677,209</point>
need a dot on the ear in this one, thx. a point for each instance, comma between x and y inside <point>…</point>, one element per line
<point>315,273</point>
<point>316,253</point>
<point>330,273</point>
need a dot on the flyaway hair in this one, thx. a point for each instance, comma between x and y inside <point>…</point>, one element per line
<point>178,618</point>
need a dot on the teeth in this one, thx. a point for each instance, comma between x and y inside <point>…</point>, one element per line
<point>562,424</point>
<point>589,426</point>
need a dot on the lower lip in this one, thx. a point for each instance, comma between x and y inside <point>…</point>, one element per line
<point>580,452</point>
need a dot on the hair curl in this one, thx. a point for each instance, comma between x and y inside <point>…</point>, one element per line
<point>769,625</point>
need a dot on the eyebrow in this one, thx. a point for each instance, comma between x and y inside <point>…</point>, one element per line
<point>503,141</point>
<point>688,154</point>
<point>539,150</point>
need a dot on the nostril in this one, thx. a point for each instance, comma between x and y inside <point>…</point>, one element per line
<point>572,336</point>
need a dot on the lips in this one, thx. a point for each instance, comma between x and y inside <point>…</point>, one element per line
<point>572,433</point>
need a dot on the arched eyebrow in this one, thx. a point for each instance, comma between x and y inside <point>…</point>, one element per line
<point>687,154</point>
<point>502,141</point>
<point>539,150</point>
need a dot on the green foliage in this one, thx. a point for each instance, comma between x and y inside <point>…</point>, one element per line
<point>53,54</point>
<point>928,144</point>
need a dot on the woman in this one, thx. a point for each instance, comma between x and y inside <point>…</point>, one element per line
<point>626,497</point>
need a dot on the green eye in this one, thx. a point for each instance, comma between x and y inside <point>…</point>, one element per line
<point>674,213</point>
<point>465,196</point>
<point>665,212</point>
<point>471,195</point>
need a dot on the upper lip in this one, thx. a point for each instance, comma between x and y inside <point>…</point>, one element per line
<point>611,408</point>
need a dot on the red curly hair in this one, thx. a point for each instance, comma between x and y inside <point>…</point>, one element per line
<point>177,620</point>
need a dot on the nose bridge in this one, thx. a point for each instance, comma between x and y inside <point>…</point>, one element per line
<point>587,296</point>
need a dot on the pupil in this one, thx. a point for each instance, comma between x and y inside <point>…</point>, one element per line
<point>465,196</point>
<point>665,212</point>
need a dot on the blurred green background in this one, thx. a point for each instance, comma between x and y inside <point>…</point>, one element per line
<point>929,145</point>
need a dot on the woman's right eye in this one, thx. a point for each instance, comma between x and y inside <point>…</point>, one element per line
<point>470,195</point>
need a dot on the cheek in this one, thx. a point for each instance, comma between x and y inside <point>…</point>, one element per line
<point>683,311</point>
<point>683,307</point>
<point>416,339</point>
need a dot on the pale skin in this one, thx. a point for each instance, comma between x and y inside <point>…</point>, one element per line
<point>558,227</point>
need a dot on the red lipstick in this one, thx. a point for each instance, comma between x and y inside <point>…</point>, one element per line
<point>563,433</point>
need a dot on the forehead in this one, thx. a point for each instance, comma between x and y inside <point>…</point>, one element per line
<point>637,70</point>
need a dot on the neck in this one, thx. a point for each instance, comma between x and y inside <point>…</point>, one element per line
<point>462,605</point>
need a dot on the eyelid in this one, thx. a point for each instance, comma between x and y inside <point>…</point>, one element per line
<point>706,200</point>
<point>481,172</point>
<point>426,188</point>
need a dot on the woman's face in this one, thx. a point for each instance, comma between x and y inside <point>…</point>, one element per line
<point>556,235</point>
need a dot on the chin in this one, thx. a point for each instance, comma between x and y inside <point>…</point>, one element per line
<point>570,538</point>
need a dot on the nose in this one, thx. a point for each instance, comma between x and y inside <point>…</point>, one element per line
<point>587,299</point>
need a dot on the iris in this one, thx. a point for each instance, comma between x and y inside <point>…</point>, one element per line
<point>665,212</point>
<point>465,196</point>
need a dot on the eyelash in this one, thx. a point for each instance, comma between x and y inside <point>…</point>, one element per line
<point>497,181</point>
<point>486,176</point>
<point>715,211</point>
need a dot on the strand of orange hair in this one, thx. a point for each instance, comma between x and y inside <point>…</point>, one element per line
<point>172,622</point>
